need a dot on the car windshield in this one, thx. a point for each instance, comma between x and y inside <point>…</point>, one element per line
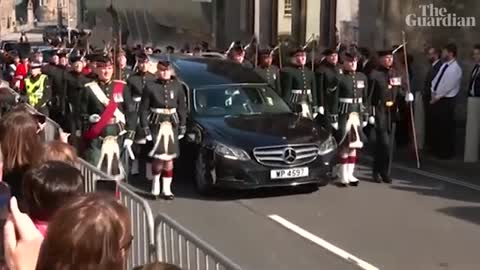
<point>238,100</point>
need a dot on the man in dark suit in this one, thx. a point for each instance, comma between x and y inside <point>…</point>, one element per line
<point>434,58</point>
<point>472,138</point>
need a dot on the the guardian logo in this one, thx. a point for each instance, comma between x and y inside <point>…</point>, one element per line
<point>431,16</point>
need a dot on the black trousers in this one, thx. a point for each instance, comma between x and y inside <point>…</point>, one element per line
<point>381,150</point>
<point>442,128</point>
<point>381,139</point>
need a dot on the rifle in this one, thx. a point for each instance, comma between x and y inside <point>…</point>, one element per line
<point>311,40</point>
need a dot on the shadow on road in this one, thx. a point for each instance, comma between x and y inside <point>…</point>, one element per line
<point>470,214</point>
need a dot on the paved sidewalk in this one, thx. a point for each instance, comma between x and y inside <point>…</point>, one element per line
<point>454,168</point>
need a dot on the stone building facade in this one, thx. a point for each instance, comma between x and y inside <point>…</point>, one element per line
<point>7,16</point>
<point>64,11</point>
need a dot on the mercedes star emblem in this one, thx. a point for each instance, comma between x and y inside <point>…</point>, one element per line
<point>289,155</point>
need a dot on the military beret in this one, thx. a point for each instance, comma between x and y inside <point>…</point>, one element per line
<point>35,64</point>
<point>264,52</point>
<point>237,49</point>
<point>328,52</point>
<point>76,58</point>
<point>298,50</point>
<point>103,61</point>
<point>142,57</point>
<point>163,65</point>
<point>350,56</point>
<point>384,53</point>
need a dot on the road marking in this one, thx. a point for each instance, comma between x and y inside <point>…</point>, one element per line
<point>442,178</point>
<point>324,244</point>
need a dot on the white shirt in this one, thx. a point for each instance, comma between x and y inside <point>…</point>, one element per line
<point>450,82</point>
<point>475,74</point>
<point>434,63</point>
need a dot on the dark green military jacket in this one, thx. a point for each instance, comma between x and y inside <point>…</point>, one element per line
<point>327,84</point>
<point>385,90</point>
<point>126,73</point>
<point>351,96</point>
<point>354,86</point>
<point>298,78</point>
<point>271,75</point>
<point>91,105</point>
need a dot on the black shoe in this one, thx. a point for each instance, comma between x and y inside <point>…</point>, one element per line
<point>386,179</point>
<point>168,197</point>
<point>354,184</point>
<point>341,185</point>
<point>377,178</point>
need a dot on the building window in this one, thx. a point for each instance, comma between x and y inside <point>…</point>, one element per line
<point>287,10</point>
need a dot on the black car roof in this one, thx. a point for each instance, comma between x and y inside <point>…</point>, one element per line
<point>199,71</point>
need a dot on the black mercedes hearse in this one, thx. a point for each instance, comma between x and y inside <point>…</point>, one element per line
<point>242,135</point>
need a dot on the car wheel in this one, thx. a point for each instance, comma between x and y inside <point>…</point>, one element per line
<point>202,175</point>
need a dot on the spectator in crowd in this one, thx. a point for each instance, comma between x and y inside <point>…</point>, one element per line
<point>434,58</point>
<point>48,187</point>
<point>37,56</point>
<point>445,88</point>
<point>472,128</point>
<point>13,61</point>
<point>21,147</point>
<point>158,266</point>
<point>60,151</point>
<point>21,72</point>
<point>92,231</point>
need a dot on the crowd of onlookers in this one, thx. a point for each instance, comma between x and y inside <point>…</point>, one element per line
<point>51,223</point>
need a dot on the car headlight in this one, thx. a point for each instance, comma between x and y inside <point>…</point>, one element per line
<point>230,152</point>
<point>327,146</point>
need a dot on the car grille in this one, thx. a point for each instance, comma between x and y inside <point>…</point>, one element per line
<point>286,155</point>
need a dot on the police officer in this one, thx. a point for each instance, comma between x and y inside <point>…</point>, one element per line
<point>386,85</point>
<point>347,104</point>
<point>37,88</point>
<point>298,83</point>
<point>121,66</point>
<point>163,113</point>
<point>269,72</point>
<point>106,113</point>
<point>136,83</point>
<point>327,81</point>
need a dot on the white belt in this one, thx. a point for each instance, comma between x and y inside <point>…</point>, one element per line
<point>137,99</point>
<point>351,100</point>
<point>301,91</point>
<point>163,110</point>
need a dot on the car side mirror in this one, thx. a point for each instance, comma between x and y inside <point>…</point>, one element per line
<point>297,108</point>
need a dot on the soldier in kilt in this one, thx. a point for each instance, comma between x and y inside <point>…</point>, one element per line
<point>136,83</point>
<point>107,119</point>
<point>348,107</point>
<point>163,114</point>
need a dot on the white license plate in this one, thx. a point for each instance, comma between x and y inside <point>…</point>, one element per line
<point>289,173</point>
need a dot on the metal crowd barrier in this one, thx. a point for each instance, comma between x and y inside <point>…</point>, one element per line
<point>143,245</point>
<point>177,245</point>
